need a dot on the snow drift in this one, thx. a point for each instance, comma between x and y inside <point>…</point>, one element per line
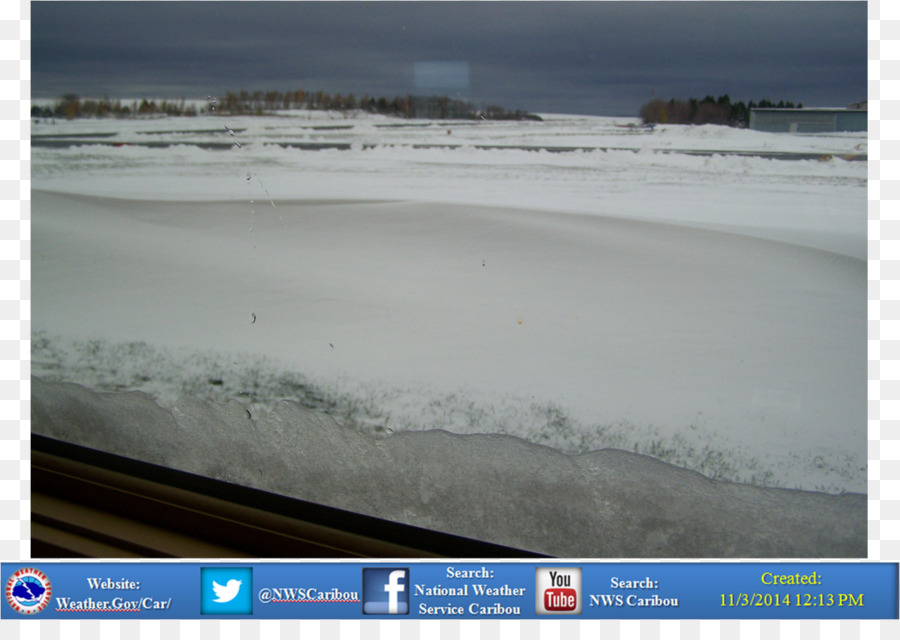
<point>748,346</point>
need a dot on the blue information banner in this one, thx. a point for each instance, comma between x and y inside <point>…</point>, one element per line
<point>465,590</point>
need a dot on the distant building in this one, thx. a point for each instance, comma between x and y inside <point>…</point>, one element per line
<point>854,118</point>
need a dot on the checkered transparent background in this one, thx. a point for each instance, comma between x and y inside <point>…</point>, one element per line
<point>884,392</point>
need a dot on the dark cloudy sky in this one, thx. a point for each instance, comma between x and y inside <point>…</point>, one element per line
<point>604,58</point>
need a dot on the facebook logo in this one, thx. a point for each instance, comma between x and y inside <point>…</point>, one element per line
<point>386,591</point>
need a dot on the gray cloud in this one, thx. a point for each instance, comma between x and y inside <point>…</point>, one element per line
<point>591,57</point>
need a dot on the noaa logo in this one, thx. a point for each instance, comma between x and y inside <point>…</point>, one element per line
<point>28,591</point>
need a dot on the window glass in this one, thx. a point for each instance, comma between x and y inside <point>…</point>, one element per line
<point>476,267</point>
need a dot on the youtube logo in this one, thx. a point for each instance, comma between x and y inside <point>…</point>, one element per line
<point>561,600</point>
<point>557,591</point>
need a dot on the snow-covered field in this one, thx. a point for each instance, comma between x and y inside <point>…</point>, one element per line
<point>686,292</point>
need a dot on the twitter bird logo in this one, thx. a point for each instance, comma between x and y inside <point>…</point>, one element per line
<point>228,592</point>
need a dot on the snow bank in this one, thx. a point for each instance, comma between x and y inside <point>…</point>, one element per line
<point>752,346</point>
<point>498,488</point>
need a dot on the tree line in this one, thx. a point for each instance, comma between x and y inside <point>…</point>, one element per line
<point>263,102</point>
<point>71,106</point>
<point>406,106</point>
<point>709,110</point>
